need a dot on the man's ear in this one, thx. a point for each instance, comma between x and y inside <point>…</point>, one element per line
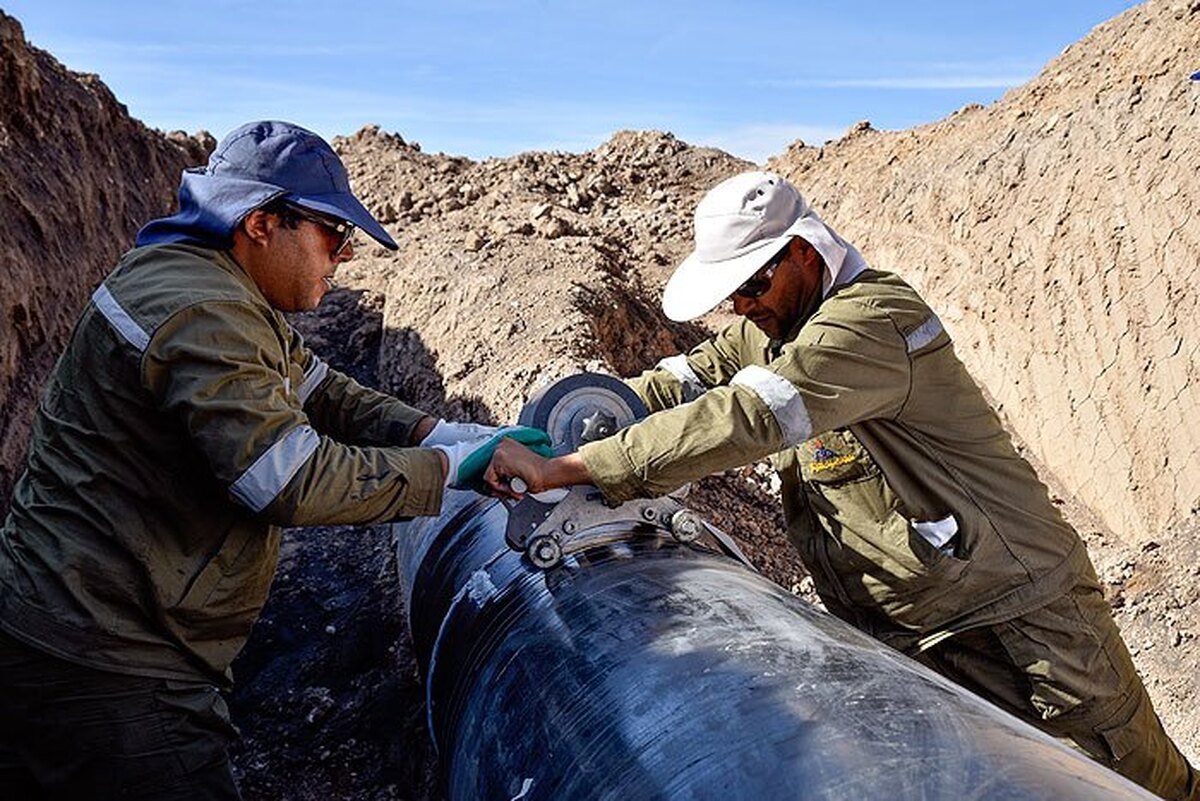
<point>257,226</point>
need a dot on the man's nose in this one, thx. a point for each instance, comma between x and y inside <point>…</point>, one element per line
<point>346,253</point>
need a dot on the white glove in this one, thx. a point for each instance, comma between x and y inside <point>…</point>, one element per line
<point>456,453</point>
<point>469,459</point>
<point>447,433</point>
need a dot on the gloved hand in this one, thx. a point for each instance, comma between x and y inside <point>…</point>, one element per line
<point>468,460</point>
<point>446,433</point>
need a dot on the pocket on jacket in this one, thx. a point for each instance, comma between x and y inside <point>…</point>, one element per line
<point>834,458</point>
<point>882,557</point>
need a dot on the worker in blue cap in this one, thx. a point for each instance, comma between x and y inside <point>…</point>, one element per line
<point>184,424</point>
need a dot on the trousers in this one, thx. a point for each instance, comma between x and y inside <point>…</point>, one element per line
<point>71,732</point>
<point>1065,669</point>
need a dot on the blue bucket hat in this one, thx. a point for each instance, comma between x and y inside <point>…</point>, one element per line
<point>253,165</point>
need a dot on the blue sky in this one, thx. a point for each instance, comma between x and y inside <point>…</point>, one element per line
<point>487,78</point>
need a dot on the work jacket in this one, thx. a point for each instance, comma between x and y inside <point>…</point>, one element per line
<point>183,423</point>
<point>903,493</point>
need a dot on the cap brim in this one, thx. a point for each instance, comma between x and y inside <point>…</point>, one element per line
<point>347,207</point>
<point>697,287</point>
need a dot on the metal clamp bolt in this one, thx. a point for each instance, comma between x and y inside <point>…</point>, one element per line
<point>686,525</point>
<point>544,551</point>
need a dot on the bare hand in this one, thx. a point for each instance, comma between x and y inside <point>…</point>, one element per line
<point>512,459</point>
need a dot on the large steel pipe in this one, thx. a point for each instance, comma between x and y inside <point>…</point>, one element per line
<point>652,669</point>
<point>642,667</point>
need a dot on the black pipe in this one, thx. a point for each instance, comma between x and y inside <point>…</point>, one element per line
<point>652,669</point>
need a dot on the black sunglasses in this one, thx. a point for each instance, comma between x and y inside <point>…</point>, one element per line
<point>757,285</point>
<point>340,228</point>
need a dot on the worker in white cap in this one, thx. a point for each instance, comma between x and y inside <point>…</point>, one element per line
<point>916,517</point>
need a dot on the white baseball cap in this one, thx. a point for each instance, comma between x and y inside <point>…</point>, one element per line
<point>740,224</point>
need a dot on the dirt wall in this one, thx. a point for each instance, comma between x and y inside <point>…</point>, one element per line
<point>78,176</point>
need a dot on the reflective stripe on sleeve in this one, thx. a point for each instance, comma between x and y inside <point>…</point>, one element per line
<point>315,375</point>
<point>923,334</point>
<point>678,366</point>
<point>119,319</point>
<point>782,398</point>
<point>271,472</point>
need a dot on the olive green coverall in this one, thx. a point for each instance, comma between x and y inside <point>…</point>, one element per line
<point>917,519</point>
<point>185,422</point>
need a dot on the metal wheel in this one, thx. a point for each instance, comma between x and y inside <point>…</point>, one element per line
<point>582,408</point>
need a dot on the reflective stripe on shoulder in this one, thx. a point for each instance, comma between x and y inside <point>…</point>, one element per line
<point>271,472</point>
<point>678,366</point>
<point>119,319</point>
<point>782,398</point>
<point>923,334</point>
<point>315,375</point>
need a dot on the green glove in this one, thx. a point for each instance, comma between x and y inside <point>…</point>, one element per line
<point>470,459</point>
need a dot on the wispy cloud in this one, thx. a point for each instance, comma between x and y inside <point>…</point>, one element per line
<point>473,127</point>
<point>757,142</point>
<point>134,53</point>
<point>477,127</point>
<point>930,82</point>
<point>999,73</point>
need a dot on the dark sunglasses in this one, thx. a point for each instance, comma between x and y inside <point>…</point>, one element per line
<point>340,228</point>
<point>757,285</point>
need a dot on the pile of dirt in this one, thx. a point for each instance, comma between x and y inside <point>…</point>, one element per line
<point>514,272</point>
<point>1051,230</point>
<point>78,177</point>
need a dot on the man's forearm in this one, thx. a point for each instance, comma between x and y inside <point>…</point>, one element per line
<point>421,429</point>
<point>564,471</point>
